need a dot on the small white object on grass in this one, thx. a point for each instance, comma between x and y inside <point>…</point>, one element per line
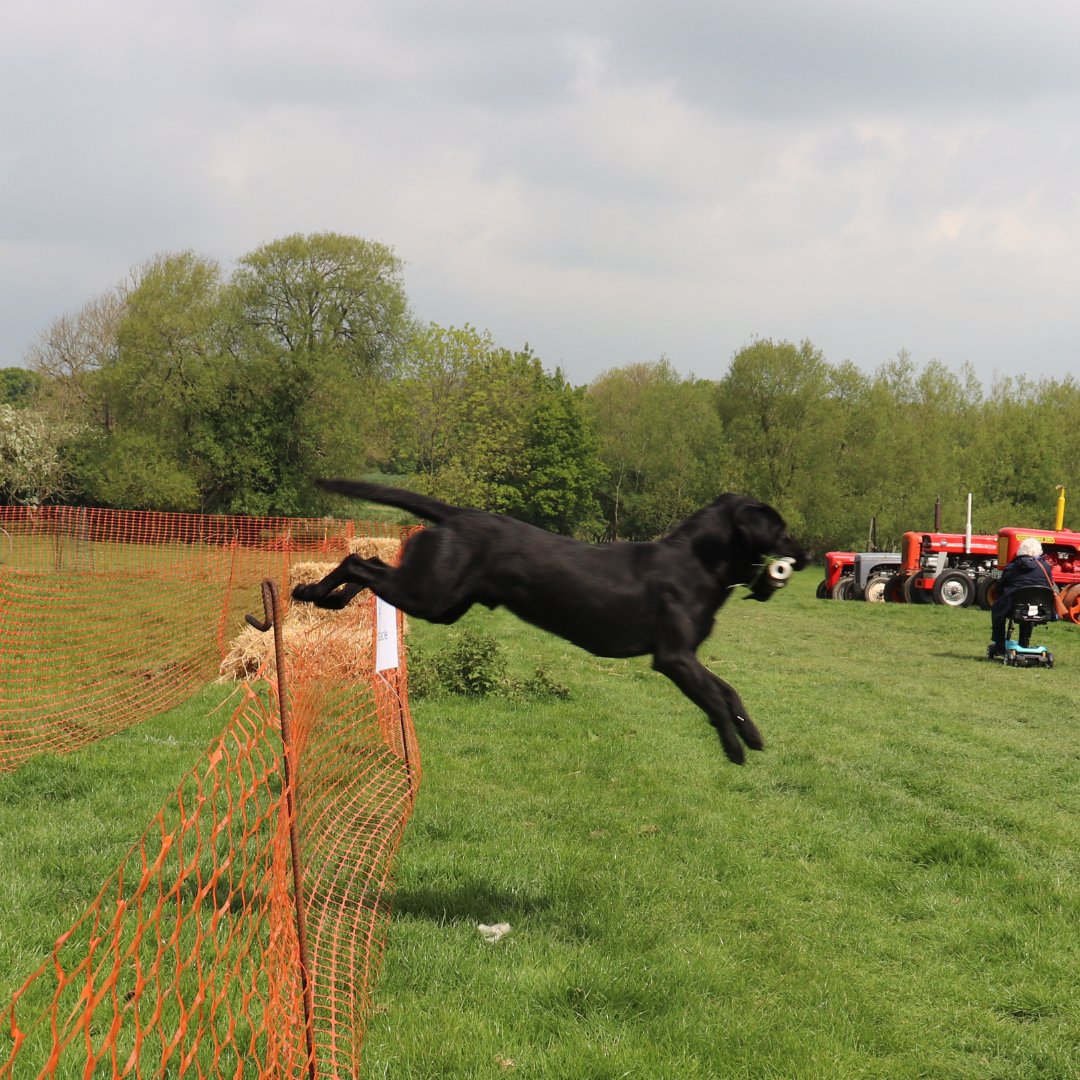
<point>491,934</point>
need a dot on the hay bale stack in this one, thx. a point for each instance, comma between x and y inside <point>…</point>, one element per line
<point>370,547</point>
<point>339,643</point>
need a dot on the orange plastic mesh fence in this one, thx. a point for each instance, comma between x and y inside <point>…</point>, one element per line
<point>183,963</point>
<point>107,617</point>
<point>188,963</point>
<point>358,774</point>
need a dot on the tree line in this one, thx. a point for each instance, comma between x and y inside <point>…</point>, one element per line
<point>188,388</point>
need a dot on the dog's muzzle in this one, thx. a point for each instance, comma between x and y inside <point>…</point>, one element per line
<point>774,574</point>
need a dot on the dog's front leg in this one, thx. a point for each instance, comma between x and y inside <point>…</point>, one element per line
<point>716,698</point>
<point>350,577</point>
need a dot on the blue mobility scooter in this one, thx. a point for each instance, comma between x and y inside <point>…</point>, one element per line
<point>1032,606</point>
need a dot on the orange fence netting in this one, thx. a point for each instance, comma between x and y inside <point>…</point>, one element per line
<point>109,616</point>
<point>242,934</point>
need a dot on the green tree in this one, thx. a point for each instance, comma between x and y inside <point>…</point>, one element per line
<point>915,429</point>
<point>560,470</point>
<point>156,395</point>
<point>200,393</point>
<point>524,446</point>
<point>19,386</point>
<point>662,446</point>
<point>322,321</point>
<point>428,397</point>
<point>313,298</point>
<point>486,427</point>
<point>844,498</point>
<point>1065,416</point>
<point>774,403</point>
<point>128,468</point>
<point>1027,443</point>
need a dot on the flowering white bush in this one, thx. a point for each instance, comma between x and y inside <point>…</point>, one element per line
<point>31,469</point>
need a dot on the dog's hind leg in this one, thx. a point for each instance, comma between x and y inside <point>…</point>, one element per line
<point>390,583</point>
<point>719,701</point>
<point>351,576</point>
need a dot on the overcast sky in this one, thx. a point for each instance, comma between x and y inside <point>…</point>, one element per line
<point>608,181</point>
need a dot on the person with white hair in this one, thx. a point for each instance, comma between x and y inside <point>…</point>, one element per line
<point>1030,567</point>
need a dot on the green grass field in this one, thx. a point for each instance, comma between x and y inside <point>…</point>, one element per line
<point>892,889</point>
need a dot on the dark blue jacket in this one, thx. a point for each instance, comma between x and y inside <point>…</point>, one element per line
<point>1022,572</point>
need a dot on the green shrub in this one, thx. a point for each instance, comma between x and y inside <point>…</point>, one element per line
<point>472,665</point>
<point>540,684</point>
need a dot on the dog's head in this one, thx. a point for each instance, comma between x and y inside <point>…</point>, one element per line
<point>745,542</point>
<point>763,529</point>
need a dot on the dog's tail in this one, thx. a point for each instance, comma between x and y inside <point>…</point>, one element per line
<point>421,505</point>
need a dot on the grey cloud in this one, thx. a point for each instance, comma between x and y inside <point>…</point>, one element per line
<point>609,181</point>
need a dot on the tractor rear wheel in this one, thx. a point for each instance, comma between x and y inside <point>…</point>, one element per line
<point>913,595</point>
<point>894,591</point>
<point>983,587</point>
<point>844,589</point>
<point>954,589</point>
<point>1071,597</point>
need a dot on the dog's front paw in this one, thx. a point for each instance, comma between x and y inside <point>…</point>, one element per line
<point>749,733</point>
<point>730,742</point>
<point>303,593</point>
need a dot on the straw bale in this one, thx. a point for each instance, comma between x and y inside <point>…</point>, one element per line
<point>343,651</point>
<point>339,642</point>
<point>370,547</point>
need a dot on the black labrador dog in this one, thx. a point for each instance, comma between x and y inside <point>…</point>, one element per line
<point>620,599</point>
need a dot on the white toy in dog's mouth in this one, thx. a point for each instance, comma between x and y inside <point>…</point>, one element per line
<point>779,570</point>
<point>771,573</point>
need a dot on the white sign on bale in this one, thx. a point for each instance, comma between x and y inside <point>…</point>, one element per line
<point>386,636</point>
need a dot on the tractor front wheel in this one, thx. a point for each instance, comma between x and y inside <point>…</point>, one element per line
<point>877,585</point>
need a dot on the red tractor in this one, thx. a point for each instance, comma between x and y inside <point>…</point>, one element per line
<point>1061,547</point>
<point>839,575</point>
<point>954,569</point>
<point>857,575</point>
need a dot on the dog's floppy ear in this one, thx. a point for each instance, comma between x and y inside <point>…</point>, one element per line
<point>760,526</point>
<point>763,530</point>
